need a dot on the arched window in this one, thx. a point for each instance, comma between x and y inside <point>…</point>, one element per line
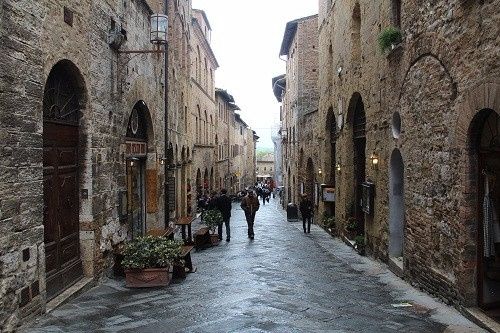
<point>396,13</point>
<point>356,36</point>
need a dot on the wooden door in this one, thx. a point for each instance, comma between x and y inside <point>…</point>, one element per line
<point>61,207</point>
<point>136,196</point>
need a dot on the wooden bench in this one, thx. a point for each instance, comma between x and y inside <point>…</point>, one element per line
<point>158,232</point>
<point>179,271</point>
<point>202,238</point>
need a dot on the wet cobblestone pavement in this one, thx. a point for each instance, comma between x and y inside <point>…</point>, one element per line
<point>282,281</point>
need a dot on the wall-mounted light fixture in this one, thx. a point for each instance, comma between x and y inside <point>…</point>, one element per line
<point>337,167</point>
<point>132,161</point>
<point>374,158</point>
<point>158,35</point>
<point>159,29</point>
<point>319,171</point>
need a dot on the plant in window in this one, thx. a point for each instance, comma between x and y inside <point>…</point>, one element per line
<point>389,37</point>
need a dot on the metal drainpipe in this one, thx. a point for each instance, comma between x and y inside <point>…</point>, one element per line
<point>167,155</point>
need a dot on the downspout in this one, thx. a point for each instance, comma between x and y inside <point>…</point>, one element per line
<point>167,147</point>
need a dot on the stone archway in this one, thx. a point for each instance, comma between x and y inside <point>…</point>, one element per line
<point>472,112</point>
<point>357,118</point>
<point>396,206</point>
<point>63,101</point>
<point>141,199</point>
<point>485,139</point>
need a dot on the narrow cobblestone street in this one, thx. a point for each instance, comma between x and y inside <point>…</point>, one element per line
<point>282,281</point>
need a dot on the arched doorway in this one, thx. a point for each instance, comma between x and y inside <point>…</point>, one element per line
<point>212,184</point>
<point>63,101</point>
<point>136,141</point>
<point>310,180</point>
<point>199,184</point>
<point>357,110</point>
<point>486,146</point>
<point>184,182</point>
<point>396,206</point>
<point>331,128</point>
<point>206,185</point>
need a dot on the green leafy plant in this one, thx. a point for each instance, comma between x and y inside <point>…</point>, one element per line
<point>352,224</point>
<point>359,241</point>
<point>328,221</point>
<point>151,252</point>
<point>212,218</point>
<point>389,36</point>
<point>359,244</point>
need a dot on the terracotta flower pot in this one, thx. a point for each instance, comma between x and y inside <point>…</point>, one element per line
<point>147,277</point>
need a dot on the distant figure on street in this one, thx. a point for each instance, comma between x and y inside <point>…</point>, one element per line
<point>250,205</point>
<point>306,210</point>
<point>224,206</point>
<point>263,194</point>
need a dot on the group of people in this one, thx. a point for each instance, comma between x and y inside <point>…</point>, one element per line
<point>250,205</point>
<point>222,202</point>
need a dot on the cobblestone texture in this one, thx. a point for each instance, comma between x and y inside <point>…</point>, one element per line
<point>283,281</point>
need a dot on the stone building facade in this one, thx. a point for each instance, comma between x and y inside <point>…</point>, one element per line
<point>85,161</point>
<point>81,171</point>
<point>297,91</point>
<point>202,104</point>
<point>265,167</point>
<point>410,134</point>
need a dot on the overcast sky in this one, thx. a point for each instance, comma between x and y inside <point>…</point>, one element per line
<point>246,40</point>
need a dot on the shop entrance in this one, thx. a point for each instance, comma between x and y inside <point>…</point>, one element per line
<point>488,189</point>
<point>136,159</point>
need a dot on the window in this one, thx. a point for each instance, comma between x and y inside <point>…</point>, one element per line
<point>396,13</point>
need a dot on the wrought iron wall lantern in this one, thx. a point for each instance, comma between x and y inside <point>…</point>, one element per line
<point>158,35</point>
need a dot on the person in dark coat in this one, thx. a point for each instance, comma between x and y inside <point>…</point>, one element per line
<point>250,205</point>
<point>306,210</point>
<point>224,206</point>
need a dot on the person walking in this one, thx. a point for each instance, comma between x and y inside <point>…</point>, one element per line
<point>250,205</point>
<point>224,206</point>
<point>306,210</point>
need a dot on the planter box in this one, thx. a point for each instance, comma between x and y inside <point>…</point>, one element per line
<point>214,239</point>
<point>148,277</point>
<point>179,271</point>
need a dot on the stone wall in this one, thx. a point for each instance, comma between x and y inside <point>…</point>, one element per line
<point>21,204</point>
<point>448,50</point>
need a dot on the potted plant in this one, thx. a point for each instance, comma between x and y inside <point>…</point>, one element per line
<point>359,244</point>
<point>213,218</point>
<point>147,261</point>
<point>351,227</point>
<point>329,223</point>
<point>389,38</point>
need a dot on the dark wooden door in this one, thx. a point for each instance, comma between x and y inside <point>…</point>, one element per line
<point>136,196</point>
<point>61,207</point>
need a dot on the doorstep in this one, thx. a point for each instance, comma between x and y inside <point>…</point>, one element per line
<point>79,287</point>
<point>477,316</point>
<point>348,241</point>
<point>396,266</point>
